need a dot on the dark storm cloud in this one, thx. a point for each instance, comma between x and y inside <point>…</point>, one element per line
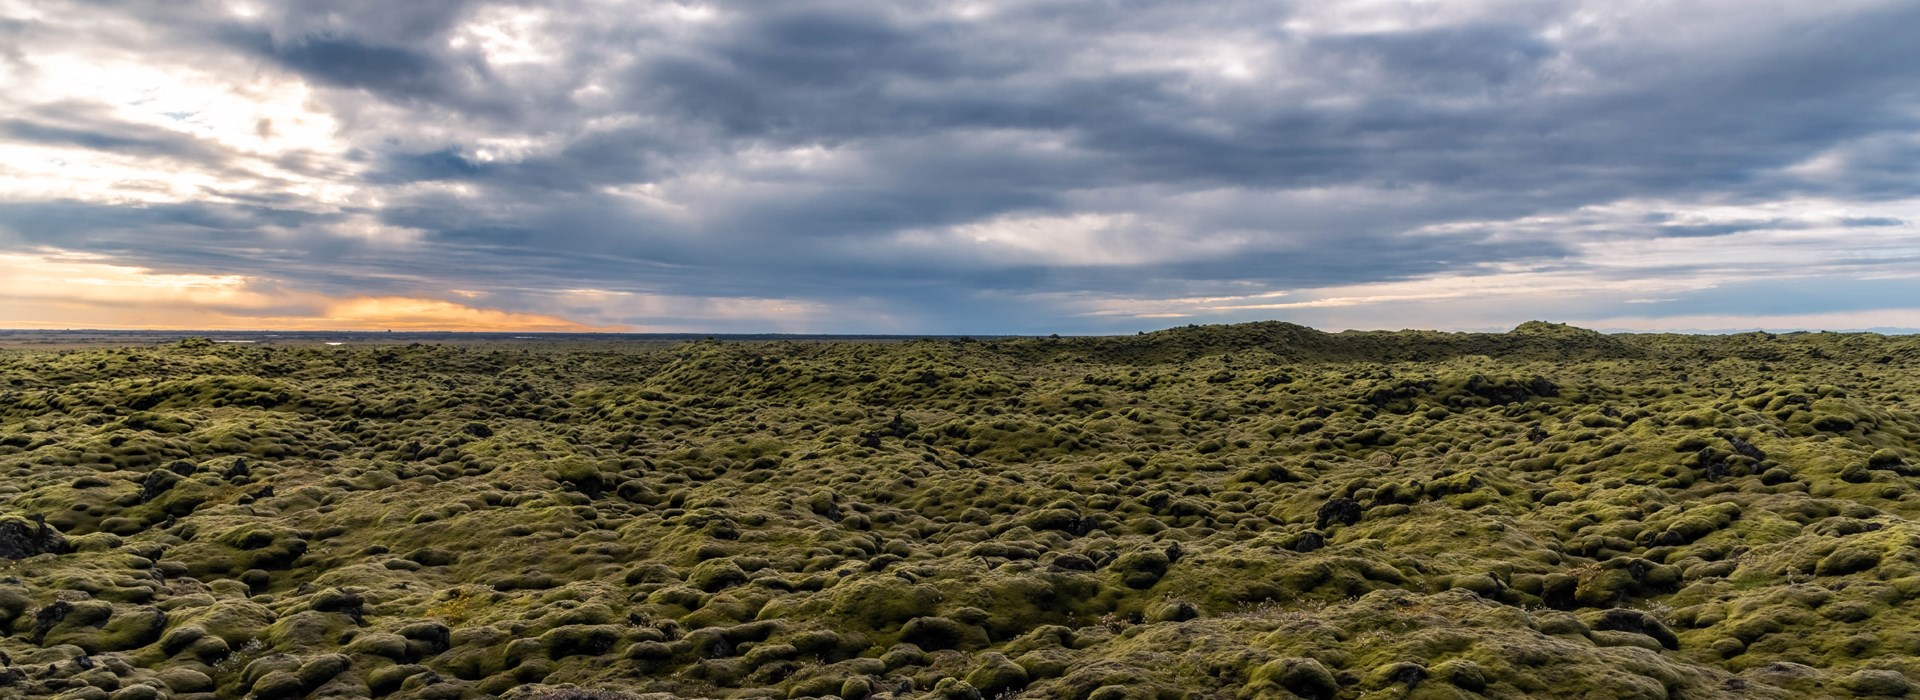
<point>442,164</point>
<point>351,63</point>
<point>175,238</point>
<point>1449,58</point>
<point>829,151</point>
<point>92,127</point>
<point>121,138</point>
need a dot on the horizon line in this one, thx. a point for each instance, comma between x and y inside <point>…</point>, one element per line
<point>1885,331</point>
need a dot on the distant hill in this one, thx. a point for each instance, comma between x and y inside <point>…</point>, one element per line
<point>1297,343</point>
<point>1533,340</point>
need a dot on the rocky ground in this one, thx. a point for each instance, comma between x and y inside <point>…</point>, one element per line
<point>1242,511</point>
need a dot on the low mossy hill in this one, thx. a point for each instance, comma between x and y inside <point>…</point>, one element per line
<point>1295,343</point>
<point>1533,340</point>
<point>1260,510</point>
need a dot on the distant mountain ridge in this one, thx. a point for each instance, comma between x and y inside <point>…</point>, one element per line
<point>1533,340</point>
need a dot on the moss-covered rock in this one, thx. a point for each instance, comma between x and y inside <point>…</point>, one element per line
<point>1259,510</point>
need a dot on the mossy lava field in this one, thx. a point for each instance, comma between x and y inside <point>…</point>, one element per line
<point>1249,511</point>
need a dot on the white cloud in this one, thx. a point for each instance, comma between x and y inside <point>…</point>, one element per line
<point>509,36</point>
<point>1895,320</point>
<point>1614,264</point>
<point>1085,239</point>
<point>230,130</point>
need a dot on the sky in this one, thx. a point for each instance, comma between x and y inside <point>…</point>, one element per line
<point>985,167</point>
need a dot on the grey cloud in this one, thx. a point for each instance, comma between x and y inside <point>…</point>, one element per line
<point>443,164</point>
<point>1479,57</point>
<point>148,141</point>
<point>351,63</point>
<point>1339,145</point>
<point>416,21</point>
<point>1726,228</point>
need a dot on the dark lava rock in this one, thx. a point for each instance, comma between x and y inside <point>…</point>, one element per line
<point>1624,620</point>
<point>48,617</point>
<point>1747,449</point>
<point>1343,511</point>
<point>21,538</point>
<point>157,482</point>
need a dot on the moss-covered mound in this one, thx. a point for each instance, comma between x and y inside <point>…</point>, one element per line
<point>1247,511</point>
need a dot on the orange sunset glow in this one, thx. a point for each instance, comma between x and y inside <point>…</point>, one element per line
<point>66,291</point>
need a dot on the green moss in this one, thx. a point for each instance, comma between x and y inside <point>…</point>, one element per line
<point>1141,568</point>
<point>1210,509</point>
<point>1306,678</point>
<point>995,674</point>
<point>1847,560</point>
<point>278,685</point>
<point>382,644</point>
<point>942,633</point>
<point>1877,683</point>
<point>233,622</point>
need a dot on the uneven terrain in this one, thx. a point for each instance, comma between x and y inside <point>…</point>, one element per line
<point>1260,510</point>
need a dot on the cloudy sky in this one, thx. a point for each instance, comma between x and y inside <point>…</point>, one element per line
<point>989,166</point>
